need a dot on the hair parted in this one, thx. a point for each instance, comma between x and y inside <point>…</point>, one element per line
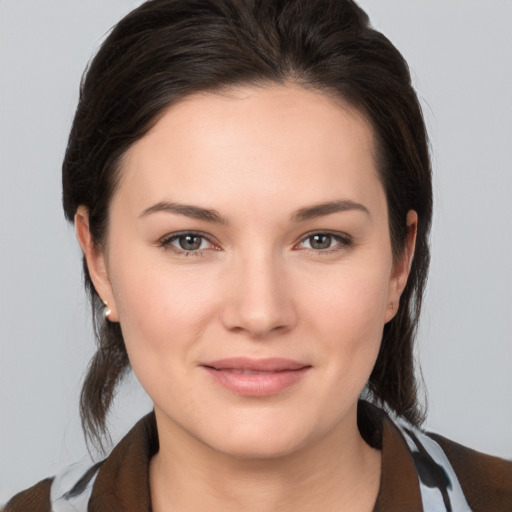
<point>165,50</point>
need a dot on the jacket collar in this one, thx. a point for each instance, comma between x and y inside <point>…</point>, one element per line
<point>122,484</point>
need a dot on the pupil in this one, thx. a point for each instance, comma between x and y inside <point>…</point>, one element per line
<point>321,241</point>
<point>190,242</point>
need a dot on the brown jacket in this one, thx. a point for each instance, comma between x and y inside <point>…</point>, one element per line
<point>122,484</point>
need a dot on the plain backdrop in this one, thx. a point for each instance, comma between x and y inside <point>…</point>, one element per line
<point>460,54</point>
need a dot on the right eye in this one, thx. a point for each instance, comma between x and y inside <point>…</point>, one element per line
<point>187,243</point>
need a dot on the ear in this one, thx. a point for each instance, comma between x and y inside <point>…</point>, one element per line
<point>402,267</point>
<point>95,258</point>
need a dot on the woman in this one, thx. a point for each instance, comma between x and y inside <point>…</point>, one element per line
<point>253,201</point>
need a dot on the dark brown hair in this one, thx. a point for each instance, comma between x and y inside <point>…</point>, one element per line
<point>167,49</point>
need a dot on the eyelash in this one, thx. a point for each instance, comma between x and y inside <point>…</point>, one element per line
<point>344,241</point>
<point>166,243</point>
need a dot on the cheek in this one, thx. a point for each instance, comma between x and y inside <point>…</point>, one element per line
<point>350,304</point>
<point>346,317</point>
<point>162,311</point>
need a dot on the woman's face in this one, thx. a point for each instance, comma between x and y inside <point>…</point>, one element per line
<point>249,264</point>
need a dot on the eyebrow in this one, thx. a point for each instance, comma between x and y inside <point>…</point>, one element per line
<point>322,209</point>
<point>213,216</point>
<point>194,212</point>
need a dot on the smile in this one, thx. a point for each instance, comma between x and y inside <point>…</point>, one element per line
<point>256,377</point>
<point>246,372</point>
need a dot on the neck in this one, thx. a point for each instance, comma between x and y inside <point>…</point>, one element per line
<point>338,471</point>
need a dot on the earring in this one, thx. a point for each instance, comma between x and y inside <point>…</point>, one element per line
<point>106,310</point>
<point>391,305</point>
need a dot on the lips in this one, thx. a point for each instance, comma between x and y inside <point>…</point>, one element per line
<point>274,364</point>
<point>256,377</point>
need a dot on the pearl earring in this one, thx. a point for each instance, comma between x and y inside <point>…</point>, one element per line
<point>106,310</point>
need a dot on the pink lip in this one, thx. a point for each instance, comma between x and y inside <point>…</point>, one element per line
<point>267,377</point>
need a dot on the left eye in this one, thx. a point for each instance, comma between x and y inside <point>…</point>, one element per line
<point>323,241</point>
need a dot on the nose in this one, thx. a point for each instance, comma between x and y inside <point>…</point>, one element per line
<point>258,299</point>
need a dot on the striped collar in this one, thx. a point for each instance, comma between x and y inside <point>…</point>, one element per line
<point>416,475</point>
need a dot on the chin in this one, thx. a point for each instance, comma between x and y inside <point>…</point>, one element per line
<point>258,449</point>
<point>260,441</point>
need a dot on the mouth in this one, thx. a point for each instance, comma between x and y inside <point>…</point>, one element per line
<point>256,377</point>
<point>244,372</point>
<point>247,364</point>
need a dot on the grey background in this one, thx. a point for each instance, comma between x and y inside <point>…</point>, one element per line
<point>460,56</point>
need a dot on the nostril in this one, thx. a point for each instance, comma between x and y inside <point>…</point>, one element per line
<point>258,301</point>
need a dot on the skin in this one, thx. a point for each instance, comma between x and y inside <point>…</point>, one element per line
<point>259,286</point>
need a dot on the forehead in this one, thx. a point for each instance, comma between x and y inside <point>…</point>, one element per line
<point>254,141</point>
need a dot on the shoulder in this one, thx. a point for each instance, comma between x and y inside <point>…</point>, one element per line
<point>447,475</point>
<point>70,491</point>
<point>459,477</point>
<point>485,480</point>
<point>36,498</point>
<point>102,486</point>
